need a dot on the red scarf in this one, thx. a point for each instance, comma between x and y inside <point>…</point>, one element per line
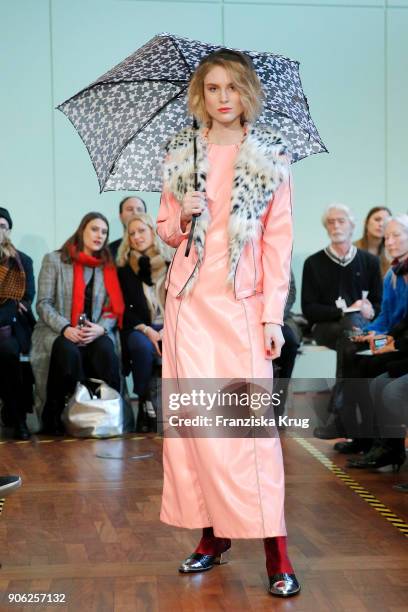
<point>115,307</point>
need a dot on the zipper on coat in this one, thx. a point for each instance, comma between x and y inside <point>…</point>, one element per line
<point>253,261</point>
<point>235,276</point>
<point>236,270</point>
<point>171,265</point>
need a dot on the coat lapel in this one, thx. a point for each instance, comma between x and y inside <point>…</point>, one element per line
<point>65,289</point>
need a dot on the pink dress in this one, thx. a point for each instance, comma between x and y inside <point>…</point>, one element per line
<point>235,485</point>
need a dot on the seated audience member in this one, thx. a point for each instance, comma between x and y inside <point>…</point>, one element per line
<point>142,269</point>
<point>392,321</point>
<point>390,392</point>
<point>17,291</point>
<point>79,305</point>
<point>389,402</point>
<point>283,366</point>
<point>390,399</point>
<point>129,206</point>
<point>394,304</point>
<point>341,270</point>
<point>373,235</point>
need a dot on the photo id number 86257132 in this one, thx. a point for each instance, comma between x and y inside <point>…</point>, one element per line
<point>36,598</point>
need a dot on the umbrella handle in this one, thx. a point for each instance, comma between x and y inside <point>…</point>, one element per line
<point>191,235</point>
<point>194,219</point>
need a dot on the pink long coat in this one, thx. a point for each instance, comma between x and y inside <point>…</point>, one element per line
<point>235,485</point>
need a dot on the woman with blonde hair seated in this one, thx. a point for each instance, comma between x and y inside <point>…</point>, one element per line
<point>142,269</point>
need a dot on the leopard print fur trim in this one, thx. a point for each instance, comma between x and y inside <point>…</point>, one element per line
<point>262,164</point>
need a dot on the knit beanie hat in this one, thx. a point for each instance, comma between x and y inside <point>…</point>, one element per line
<point>6,215</point>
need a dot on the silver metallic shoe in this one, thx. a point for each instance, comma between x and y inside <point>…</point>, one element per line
<point>9,484</point>
<point>198,562</point>
<point>283,585</point>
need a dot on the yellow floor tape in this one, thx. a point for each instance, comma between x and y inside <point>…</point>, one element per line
<point>375,503</point>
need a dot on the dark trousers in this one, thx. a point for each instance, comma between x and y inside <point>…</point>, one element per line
<point>283,366</point>
<point>143,358</point>
<point>333,334</point>
<point>286,362</point>
<point>360,372</point>
<point>343,401</point>
<point>71,364</point>
<point>390,402</point>
<point>13,386</point>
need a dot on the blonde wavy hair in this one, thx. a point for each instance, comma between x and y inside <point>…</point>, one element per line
<point>125,248</point>
<point>243,76</point>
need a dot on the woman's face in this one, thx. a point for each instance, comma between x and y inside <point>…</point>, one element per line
<point>396,240</point>
<point>4,229</point>
<point>222,99</point>
<point>94,236</point>
<point>140,236</point>
<point>375,225</point>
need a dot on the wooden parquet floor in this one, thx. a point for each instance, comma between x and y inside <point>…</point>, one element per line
<point>85,524</point>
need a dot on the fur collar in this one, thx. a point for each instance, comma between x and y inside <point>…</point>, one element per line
<point>261,165</point>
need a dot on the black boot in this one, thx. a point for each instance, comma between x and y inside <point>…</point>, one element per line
<point>353,447</point>
<point>383,454</point>
<point>21,431</point>
<point>53,426</point>
<point>152,416</point>
<point>9,484</point>
<point>6,416</point>
<point>51,419</point>
<point>402,488</point>
<point>142,423</point>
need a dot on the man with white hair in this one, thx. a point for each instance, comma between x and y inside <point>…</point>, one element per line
<point>341,286</point>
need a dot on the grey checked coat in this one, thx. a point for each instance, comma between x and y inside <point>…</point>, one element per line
<point>54,302</point>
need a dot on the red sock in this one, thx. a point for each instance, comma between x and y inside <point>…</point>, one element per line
<point>277,560</point>
<point>210,545</point>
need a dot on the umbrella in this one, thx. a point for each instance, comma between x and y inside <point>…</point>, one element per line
<point>127,115</point>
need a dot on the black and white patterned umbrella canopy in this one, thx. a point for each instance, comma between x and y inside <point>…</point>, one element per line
<point>127,115</point>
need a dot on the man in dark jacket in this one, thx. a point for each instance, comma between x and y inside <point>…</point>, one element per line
<point>340,272</point>
<point>128,207</point>
<point>341,289</point>
<point>17,289</point>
